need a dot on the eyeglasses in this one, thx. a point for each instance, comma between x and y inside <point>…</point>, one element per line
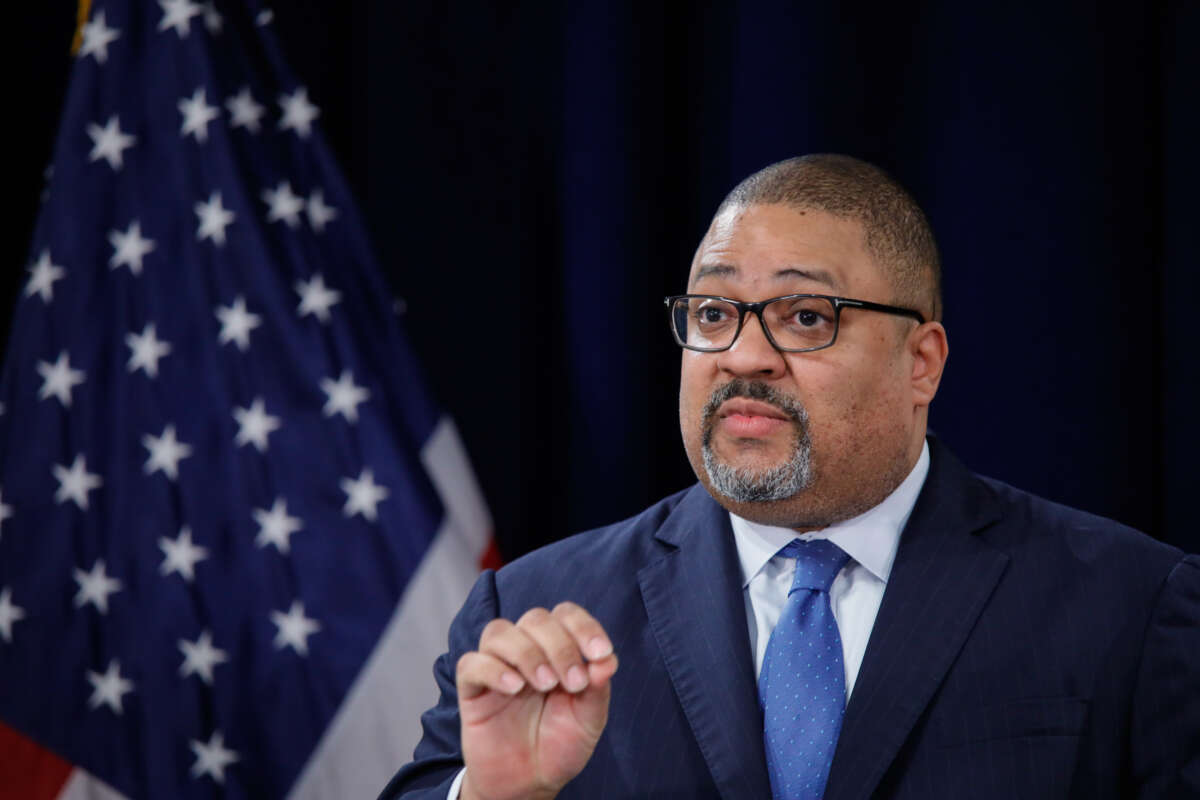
<point>794,323</point>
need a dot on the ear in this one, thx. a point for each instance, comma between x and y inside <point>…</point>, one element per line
<point>928,347</point>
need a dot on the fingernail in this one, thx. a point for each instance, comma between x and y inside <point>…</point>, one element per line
<point>576,679</point>
<point>545,678</point>
<point>511,682</point>
<point>598,647</point>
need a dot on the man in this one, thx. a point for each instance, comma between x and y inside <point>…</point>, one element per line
<point>839,609</point>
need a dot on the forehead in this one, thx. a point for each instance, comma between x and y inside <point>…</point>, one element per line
<point>764,249</point>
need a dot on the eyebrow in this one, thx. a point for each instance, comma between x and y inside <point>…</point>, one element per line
<point>787,273</point>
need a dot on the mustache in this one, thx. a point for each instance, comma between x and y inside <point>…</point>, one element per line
<point>755,390</point>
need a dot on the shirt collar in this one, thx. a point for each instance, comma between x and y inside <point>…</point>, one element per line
<point>871,538</point>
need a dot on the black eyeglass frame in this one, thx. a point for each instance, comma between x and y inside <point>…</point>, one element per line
<point>757,309</point>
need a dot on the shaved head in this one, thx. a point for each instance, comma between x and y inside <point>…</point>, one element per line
<point>898,236</point>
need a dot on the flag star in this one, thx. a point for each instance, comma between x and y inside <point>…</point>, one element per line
<point>319,214</point>
<point>236,323</point>
<point>275,526</point>
<point>165,453</point>
<point>9,613</point>
<point>97,36</point>
<point>212,757</point>
<point>294,628</point>
<point>298,112</point>
<point>58,379</point>
<point>254,425</point>
<point>363,495</point>
<point>6,511</point>
<point>109,142</point>
<point>145,350</point>
<point>214,219</point>
<point>95,586</point>
<point>180,555</point>
<point>178,14</point>
<point>107,689</point>
<point>243,111</point>
<point>129,248</point>
<point>42,276</point>
<point>212,19</point>
<point>344,396</point>
<point>76,482</point>
<point>284,204</point>
<point>197,113</point>
<point>199,657</point>
<point>316,298</point>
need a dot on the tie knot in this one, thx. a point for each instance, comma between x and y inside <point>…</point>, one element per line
<point>817,563</point>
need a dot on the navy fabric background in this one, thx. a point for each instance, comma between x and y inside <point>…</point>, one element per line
<point>561,166</point>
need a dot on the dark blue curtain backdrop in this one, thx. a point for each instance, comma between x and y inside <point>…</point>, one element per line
<point>536,180</point>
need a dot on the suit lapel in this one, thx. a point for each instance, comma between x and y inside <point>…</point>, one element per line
<point>693,598</point>
<point>940,582</point>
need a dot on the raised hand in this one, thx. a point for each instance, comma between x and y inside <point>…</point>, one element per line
<point>533,701</point>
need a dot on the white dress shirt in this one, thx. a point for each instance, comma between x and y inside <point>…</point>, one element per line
<point>871,540</point>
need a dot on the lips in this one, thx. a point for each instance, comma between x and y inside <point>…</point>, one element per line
<point>750,419</point>
<point>750,410</point>
<point>745,407</point>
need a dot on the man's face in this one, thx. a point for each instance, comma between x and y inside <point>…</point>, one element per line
<point>798,439</point>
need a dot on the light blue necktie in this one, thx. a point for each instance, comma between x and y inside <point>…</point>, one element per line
<point>802,685</point>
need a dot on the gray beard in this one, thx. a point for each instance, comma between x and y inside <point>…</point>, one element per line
<point>746,485</point>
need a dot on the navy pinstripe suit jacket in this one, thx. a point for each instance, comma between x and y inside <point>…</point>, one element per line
<point>1022,650</point>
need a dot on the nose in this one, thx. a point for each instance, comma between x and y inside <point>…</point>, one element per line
<point>752,354</point>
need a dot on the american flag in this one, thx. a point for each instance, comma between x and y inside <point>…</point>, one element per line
<point>233,525</point>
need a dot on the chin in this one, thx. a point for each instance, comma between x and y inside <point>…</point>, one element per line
<point>794,512</point>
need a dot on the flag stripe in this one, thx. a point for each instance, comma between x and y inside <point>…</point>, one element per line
<point>28,770</point>
<point>377,727</point>
<point>82,786</point>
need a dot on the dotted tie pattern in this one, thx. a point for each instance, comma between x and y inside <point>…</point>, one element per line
<point>802,685</point>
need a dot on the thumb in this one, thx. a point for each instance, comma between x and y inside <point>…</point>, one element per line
<point>591,705</point>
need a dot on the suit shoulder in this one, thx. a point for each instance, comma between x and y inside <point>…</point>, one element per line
<point>629,542</point>
<point>1087,537</point>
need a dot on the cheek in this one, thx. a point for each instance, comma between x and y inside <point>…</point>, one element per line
<point>847,405</point>
<point>696,382</point>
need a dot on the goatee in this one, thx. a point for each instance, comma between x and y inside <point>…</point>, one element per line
<point>745,484</point>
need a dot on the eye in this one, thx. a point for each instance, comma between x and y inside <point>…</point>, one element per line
<point>807,318</point>
<point>712,314</point>
<point>802,322</point>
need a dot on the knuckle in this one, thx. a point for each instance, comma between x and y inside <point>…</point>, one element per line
<point>464,663</point>
<point>516,647</point>
<point>534,616</point>
<point>567,609</point>
<point>494,629</point>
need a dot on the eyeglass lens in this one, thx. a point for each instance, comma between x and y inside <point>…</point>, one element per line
<point>794,323</point>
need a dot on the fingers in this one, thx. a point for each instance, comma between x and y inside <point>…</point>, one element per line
<point>589,636</point>
<point>477,673</point>
<point>565,647</point>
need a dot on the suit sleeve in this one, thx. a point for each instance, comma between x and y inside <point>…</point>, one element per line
<point>1165,746</point>
<point>438,756</point>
